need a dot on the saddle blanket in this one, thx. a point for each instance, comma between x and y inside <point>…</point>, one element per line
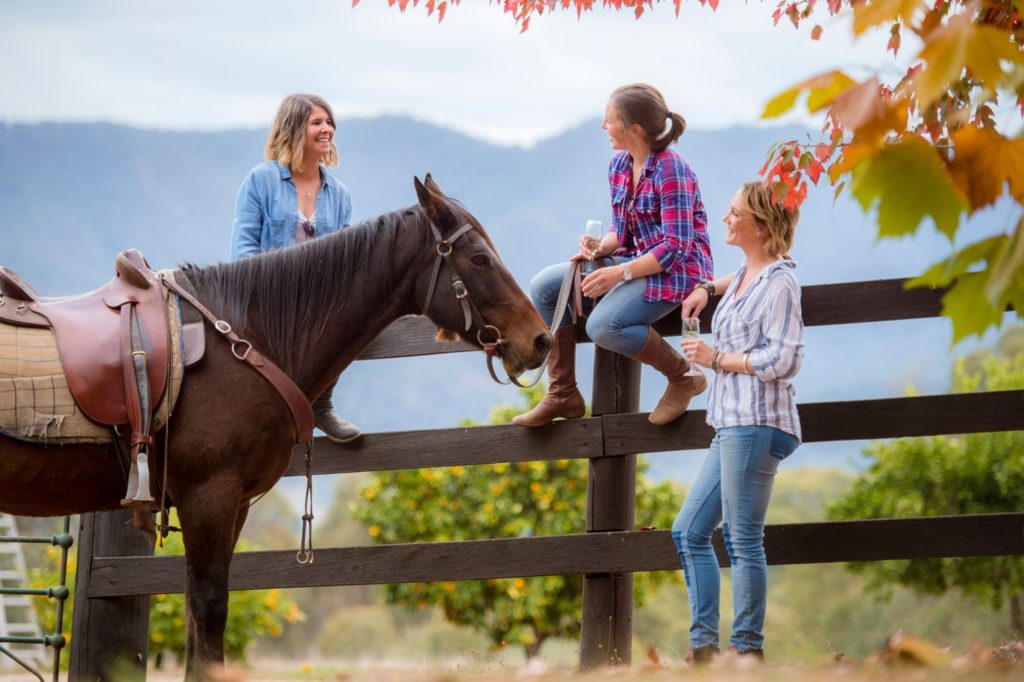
<point>35,402</point>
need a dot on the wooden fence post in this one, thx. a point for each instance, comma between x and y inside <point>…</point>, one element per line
<point>107,630</point>
<point>607,621</point>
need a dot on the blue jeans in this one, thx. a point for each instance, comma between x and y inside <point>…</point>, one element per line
<point>733,487</point>
<point>619,321</point>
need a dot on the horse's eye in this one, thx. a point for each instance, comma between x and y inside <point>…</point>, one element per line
<point>481,260</point>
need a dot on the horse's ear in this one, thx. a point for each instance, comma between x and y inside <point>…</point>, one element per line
<point>434,204</point>
<point>431,185</point>
<point>445,335</point>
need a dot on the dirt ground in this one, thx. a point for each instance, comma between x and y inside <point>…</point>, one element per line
<point>904,658</point>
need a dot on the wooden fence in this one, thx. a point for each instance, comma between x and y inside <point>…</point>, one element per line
<point>114,577</point>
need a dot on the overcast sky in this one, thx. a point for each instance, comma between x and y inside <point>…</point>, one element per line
<point>202,64</point>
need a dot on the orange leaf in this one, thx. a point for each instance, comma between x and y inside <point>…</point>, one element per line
<point>859,105</point>
<point>816,32</point>
<point>878,12</point>
<point>984,162</point>
<point>959,44</point>
<point>894,39</point>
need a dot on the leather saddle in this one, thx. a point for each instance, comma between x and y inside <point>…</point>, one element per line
<point>113,345</point>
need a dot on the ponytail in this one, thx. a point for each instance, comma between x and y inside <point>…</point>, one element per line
<point>675,131</point>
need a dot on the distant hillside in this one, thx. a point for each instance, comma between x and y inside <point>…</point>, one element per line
<point>71,196</point>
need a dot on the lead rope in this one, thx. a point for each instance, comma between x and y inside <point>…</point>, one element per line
<point>570,286</point>
<point>305,553</point>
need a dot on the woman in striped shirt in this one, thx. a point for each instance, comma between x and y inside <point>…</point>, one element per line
<point>659,249</point>
<point>758,348</point>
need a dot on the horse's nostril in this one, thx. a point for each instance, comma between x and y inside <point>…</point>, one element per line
<point>542,343</point>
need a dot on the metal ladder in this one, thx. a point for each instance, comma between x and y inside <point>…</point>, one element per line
<point>17,617</point>
<point>19,628</point>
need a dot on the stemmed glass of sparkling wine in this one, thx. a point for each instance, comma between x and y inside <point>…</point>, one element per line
<point>691,330</point>
<point>592,242</point>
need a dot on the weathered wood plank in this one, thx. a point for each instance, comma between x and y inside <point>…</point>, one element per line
<point>626,434</point>
<point>606,632</point>
<point>107,632</point>
<point>411,336</point>
<point>834,421</point>
<point>565,439</point>
<point>578,554</point>
<point>823,304</point>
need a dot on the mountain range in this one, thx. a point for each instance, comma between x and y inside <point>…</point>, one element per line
<point>73,195</point>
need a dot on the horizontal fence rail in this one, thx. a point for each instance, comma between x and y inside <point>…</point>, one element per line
<point>881,300</point>
<point>577,554</point>
<point>622,434</point>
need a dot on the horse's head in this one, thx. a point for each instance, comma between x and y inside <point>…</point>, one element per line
<point>469,292</point>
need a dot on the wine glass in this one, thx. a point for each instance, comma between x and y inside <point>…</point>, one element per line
<point>691,330</point>
<point>592,242</point>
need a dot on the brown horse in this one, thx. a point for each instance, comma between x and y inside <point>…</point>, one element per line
<point>312,309</point>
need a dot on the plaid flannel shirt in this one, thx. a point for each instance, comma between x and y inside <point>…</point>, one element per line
<point>666,217</point>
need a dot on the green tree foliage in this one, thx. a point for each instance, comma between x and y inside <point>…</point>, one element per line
<point>500,501</point>
<point>251,614</point>
<point>948,475</point>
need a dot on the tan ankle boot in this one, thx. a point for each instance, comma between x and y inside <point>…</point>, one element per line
<point>681,388</point>
<point>563,398</point>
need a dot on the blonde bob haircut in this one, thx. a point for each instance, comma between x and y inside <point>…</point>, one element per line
<point>778,222</point>
<point>287,138</point>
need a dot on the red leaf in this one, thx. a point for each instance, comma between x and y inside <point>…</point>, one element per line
<point>894,39</point>
<point>814,171</point>
<point>816,32</point>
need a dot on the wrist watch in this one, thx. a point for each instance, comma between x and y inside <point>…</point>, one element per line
<point>627,274</point>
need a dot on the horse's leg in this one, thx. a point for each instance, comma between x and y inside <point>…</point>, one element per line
<point>243,514</point>
<point>209,524</point>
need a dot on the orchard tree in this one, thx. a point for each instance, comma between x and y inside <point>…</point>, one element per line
<point>925,144</point>
<point>499,501</point>
<point>948,475</point>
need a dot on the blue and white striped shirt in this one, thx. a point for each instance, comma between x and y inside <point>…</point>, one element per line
<point>765,321</point>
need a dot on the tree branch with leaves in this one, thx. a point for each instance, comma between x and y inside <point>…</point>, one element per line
<point>925,145</point>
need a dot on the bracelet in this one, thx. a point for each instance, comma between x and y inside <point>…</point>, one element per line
<point>707,286</point>
<point>714,361</point>
<point>746,364</point>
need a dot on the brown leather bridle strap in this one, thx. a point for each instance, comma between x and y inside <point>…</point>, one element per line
<point>444,252</point>
<point>298,404</point>
<point>570,286</point>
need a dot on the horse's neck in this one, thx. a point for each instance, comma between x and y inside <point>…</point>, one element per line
<point>374,300</point>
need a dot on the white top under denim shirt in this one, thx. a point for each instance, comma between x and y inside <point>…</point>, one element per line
<point>766,322</point>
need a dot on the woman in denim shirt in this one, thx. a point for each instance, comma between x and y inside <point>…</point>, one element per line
<point>758,348</point>
<point>290,198</point>
<point>660,245</point>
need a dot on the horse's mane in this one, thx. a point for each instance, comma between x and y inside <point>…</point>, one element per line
<point>295,289</point>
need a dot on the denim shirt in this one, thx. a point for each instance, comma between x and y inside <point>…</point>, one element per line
<point>267,209</point>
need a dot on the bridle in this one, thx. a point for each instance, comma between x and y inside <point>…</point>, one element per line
<point>470,311</point>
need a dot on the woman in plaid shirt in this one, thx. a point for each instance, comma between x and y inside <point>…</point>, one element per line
<point>659,247</point>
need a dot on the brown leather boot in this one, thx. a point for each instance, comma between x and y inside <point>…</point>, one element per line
<point>681,388</point>
<point>563,398</point>
<point>702,655</point>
